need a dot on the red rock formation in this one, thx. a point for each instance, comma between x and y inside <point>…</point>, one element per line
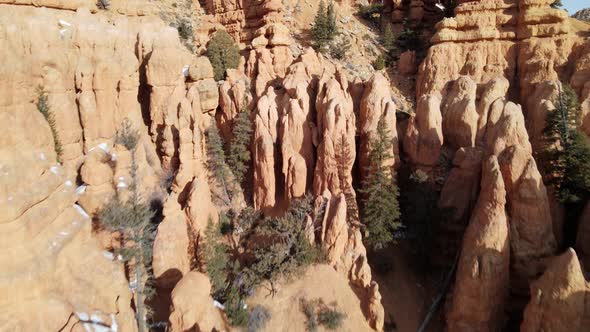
<point>482,280</point>
<point>558,298</point>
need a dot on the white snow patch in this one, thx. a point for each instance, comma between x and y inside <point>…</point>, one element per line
<point>185,70</point>
<point>104,147</point>
<point>108,255</point>
<point>96,319</point>
<point>63,233</point>
<point>121,184</point>
<point>119,257</point>
<point>54,169</point>
<point>42,156</point>
<point>82,315</point>
<point>121,178</point>
<point>101,328</point>
<point>440,6</point>
<point>68,183</point>
<point>64,23</point>
<point>54,244</point>
<point>218,305</point>
<point>81,189</point>
<point>81,211</point>
<point>62,32</point>
<point>113,156</point>
<point>87,327</point>
<point>114,325</point>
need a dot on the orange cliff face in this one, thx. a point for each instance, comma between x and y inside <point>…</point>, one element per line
<point>482,94</point>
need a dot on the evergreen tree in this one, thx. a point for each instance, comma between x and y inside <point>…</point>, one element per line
<point>223,54</point>
<point>239,148</point>
<point>216,254</point>
<point>568,154</point>
<point>132,218</point>
<point>331,21</point>
<point>388,40</point>
<point>381,208</point>
<point>324,27</point>
<point>216,160</point>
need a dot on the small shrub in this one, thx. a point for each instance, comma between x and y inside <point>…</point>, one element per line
<point>331,318</point>
<point>184,27</point>
<point>338,50</point>
<point>103,4</point>
<point>258,318</point>
<point>371,13</point>
<point>379,63</point>
<point>309,310</point>
<point>234,307</point>
<point>287,249</point>
<point>217,258</point>
<point>127,136</point>
<point>317,313</point>
<point>223,54</point>
<point>43,108</point>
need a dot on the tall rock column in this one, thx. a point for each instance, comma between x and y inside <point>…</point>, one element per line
<point>482,280</point>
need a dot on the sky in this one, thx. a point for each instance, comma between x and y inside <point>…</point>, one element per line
<point>573,6</point>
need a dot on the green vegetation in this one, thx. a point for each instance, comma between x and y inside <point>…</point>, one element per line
<point>266,250</point>
<point>43,108</point>
<point>216,160</point>
<point>239,147</point>
<point>132,218</point>
<point>381,209</point>
<point>324,27</point>
<point>216,254</point>
<point>409,38</point>
<point>318,313</point>
<point>258,318</point>
<point>567,159</point>
<point>379,63</point>
<point>568,153</point>
<point>184,27</point>
<point>388,40</point>
<point>339,49</point>
<point>286,248</point>
<point>331,318</point>
<point>223,54</point>
<point>371,13</point>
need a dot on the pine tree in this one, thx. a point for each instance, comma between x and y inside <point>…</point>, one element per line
<point>216,160</point>
<point>239,148</point>
<point>567,157</point>
<point>324,27</point>
<point>381,208</point>
<point>331,21</point>
<point>388,40</point>
<point>132,218</point>
<point>223,54</point>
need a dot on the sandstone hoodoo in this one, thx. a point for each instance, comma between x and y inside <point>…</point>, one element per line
<point>216,165</point>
